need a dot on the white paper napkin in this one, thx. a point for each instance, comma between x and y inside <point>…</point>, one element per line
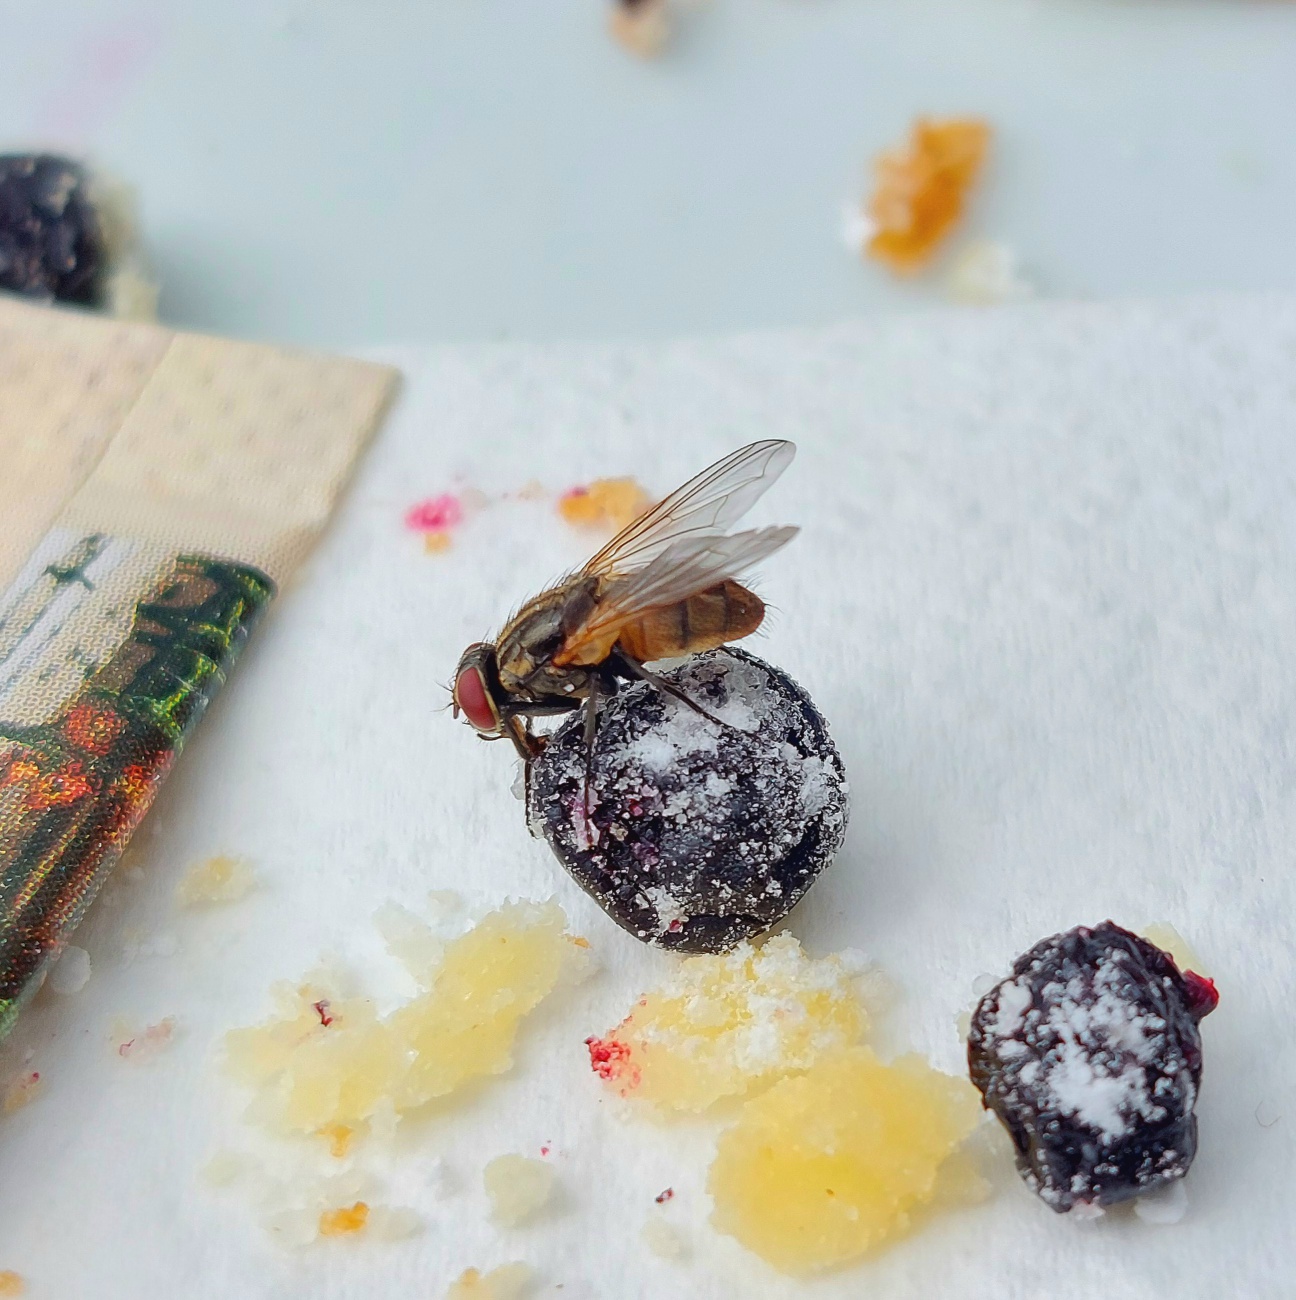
<point>1046,596</point>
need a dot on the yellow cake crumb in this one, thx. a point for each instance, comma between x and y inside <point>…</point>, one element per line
<point>921,188</point>
<point>1168,939</point>
<point>828,1165</point>
<point>12,1283</point>
<point>518,1187</point>
<point>508,1282</point>
<point>220,879</point>
<point>21,1090</point>
<point>607,503</point>
<point>724,1026</point>
<point>327,1060</point>
<point>343,1221</point>
<point>436,543</point>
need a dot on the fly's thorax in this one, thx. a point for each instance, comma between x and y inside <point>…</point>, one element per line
<point>526,647</point>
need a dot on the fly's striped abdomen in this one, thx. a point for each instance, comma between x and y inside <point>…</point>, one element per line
<point>720,614</point>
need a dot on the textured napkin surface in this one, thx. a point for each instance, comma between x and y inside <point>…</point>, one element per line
<point>1046,597</point>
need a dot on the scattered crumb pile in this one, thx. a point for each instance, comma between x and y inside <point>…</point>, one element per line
<point>642,26</point>
<point>508,1282</point>
<point>20,1090</point>
<point>920,190</point>
<point>518,1188</point>
<point>607,503</point>
<point>328,1070</point>
<point>217,880</point>
<point>12,1283</point>
<point>826,1166</point>
<point>726,1025</point>
<point>325,1060</point>
<point>834,1150</point>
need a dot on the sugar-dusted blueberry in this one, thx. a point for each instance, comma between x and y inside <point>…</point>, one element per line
<point>52,244</point>
<point>699,835</point>
<point>1090,1056</point>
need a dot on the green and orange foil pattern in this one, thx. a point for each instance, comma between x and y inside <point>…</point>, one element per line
<point>75,784</point>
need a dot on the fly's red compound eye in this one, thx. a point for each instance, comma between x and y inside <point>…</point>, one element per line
<point>470,695</point>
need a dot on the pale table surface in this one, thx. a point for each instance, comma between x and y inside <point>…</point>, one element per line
<point>343,172</point>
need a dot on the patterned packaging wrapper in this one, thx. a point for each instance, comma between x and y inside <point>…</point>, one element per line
<point>155,491</point>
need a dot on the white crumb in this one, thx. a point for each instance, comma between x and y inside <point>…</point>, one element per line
<point>987,272</point>
<point>71,972</point>
<point>518,1187</point>
<point>663,1238</point>
<point>221,879</point>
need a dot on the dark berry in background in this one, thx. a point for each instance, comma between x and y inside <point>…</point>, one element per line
<point>1090,1056</point>
<point>51,238</point>
<point>700,835</point>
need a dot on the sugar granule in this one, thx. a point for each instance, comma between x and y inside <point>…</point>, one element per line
<point>724,1026</point>
<point>12,1283</point>
<point>518,1188</point>
<point>219,879</point>
<point>921,189</point>
<point>344,1221</point>
<point>606,503</point>
<point>508,1282</point>
<point>827,1165</point>
<point>21,1090</point>
<point>309,1076</point>
<point>642,26</point>
<point>71,972</point>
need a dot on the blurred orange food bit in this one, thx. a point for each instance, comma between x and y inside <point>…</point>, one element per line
<point>607,503</point>
<point>348,1219</point>
<point>921,189</point>
<point>642,26</point>
<point>12,1283</point>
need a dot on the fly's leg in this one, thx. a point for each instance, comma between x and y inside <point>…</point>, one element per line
<point>634,668</point>
<point>527,744</point>
<point>590,726</point>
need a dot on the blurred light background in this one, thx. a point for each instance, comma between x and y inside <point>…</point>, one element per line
<point>347,172</point>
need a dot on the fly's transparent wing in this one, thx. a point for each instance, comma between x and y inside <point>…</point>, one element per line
<point>706,506</point>
<point>688,566</point>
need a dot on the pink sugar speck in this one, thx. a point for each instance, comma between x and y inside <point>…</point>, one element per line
<point>435,515</point>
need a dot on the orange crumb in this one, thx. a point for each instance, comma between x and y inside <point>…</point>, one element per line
<point>435,543</point>
<point>339,1139</point>
<point>12,1283</point>
<point>337,1223</point>
<point>609,503</point>
<point>921,189</point>
<point>580,941</point>
<point>642,26</point>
